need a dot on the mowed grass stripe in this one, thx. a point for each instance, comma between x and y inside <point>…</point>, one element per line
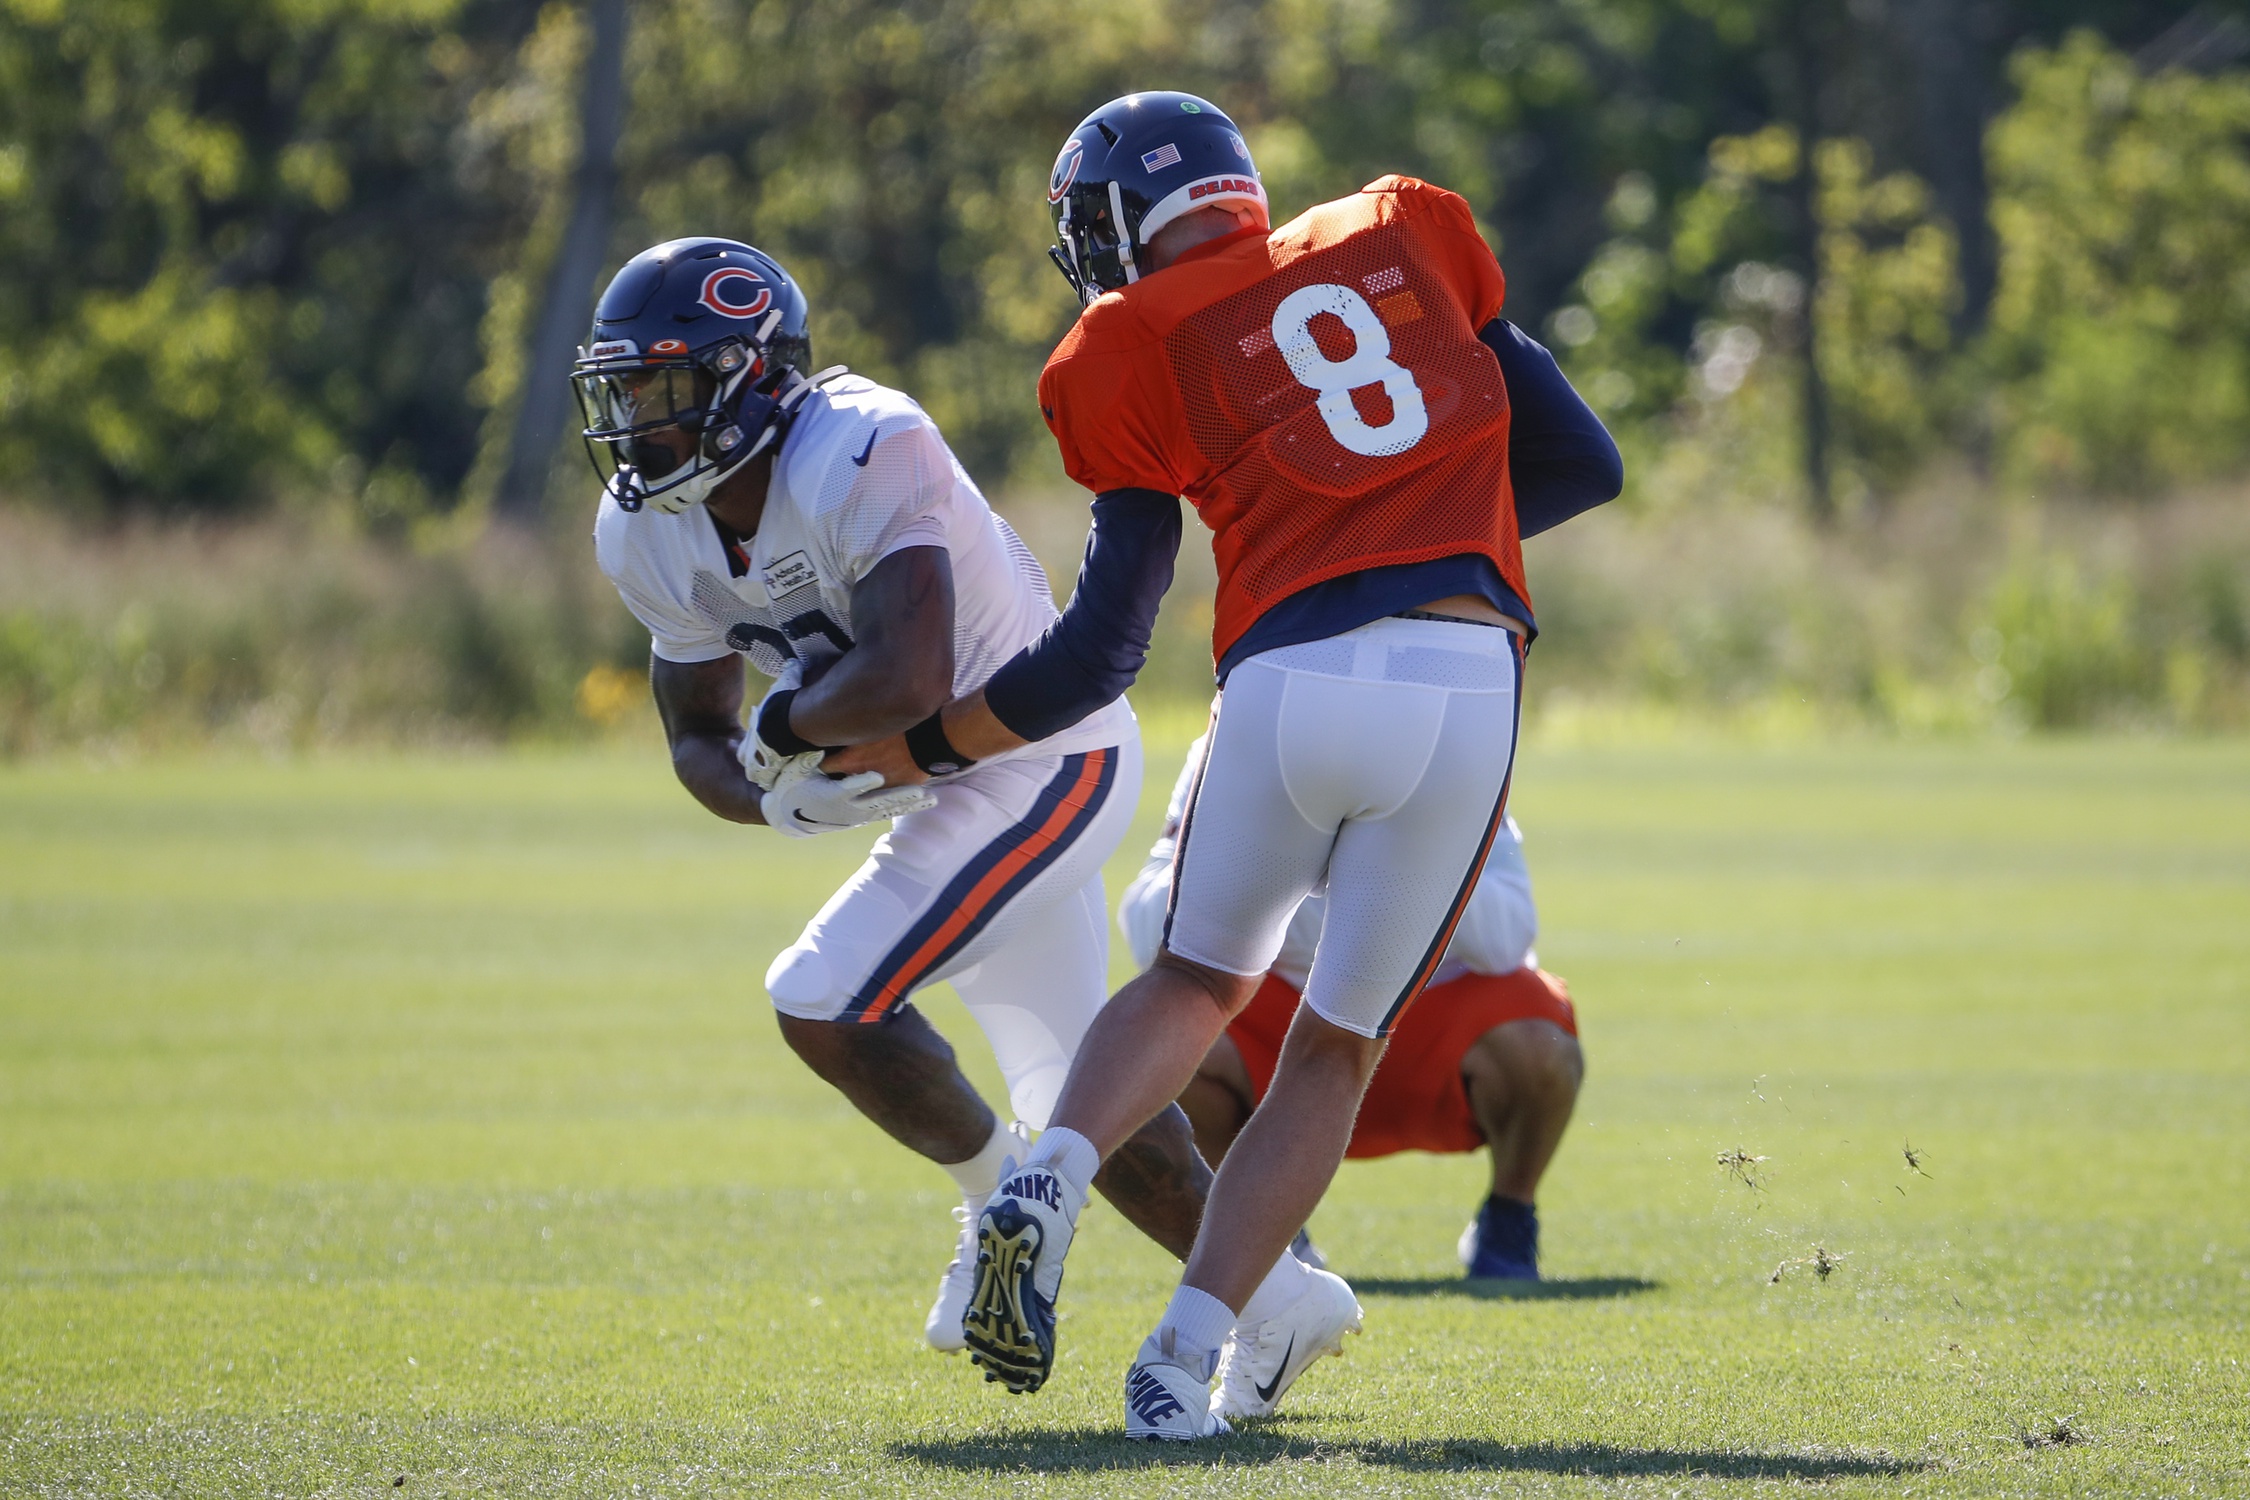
<point>422,1116</point>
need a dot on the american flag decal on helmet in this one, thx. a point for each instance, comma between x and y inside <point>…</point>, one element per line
<point>1162,157</point>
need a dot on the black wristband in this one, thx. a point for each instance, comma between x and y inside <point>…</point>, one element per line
<point>773,726</point>
<point>932,751</point>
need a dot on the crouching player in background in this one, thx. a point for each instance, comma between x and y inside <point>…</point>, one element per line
<point>1487,1056</point>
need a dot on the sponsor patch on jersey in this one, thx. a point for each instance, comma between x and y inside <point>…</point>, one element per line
<point>613,349</point>
<point>788,574</point>
<point>1066,170</point>
<point>1167,155</point>
<point>733,292</point>
<point>1212,187</point>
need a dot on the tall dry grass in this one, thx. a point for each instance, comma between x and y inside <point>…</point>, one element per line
<point>1949,612</point>
<point>285,633</point>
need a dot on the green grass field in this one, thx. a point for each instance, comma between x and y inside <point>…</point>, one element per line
<point>417,1126</point>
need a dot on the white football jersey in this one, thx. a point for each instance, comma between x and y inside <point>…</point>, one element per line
<point>863,473</point>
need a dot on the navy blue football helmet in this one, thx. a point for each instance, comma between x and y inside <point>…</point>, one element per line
<point>1132,167</point>
<point>705,335</point>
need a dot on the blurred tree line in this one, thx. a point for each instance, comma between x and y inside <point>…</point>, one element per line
<point>268,249</point>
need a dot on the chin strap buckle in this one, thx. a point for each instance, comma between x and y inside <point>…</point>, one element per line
<point>1124,234</point>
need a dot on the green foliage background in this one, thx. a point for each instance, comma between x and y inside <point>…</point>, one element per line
<point>271,249</point>
<point>268,270</point>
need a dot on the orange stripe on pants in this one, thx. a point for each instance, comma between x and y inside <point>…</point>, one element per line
<point>995,879</point>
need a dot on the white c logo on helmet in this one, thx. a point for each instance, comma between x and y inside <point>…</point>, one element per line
<point>1066,169</point>
<point>732,292</point>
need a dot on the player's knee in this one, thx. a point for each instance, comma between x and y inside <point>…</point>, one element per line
<point>801,985</point>
<point>1562,1066</point>
<point>1229,992</point>
<point>1536,1060</point>
<point>804,1007</point>
<point>1316,1044</point>
<point>818,1044</point>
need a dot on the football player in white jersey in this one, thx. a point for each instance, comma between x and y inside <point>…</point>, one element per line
<point>819,526</point>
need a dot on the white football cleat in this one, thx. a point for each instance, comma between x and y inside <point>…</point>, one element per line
<point>1261,1361</point>
<point>942,1329</point>
<point>1164,1402</point>
<point>1022,1237</point>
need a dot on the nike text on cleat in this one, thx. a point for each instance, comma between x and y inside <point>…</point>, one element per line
<point>1022,1237</point>
<point>1166,1403</point>
<point>1261,1361</point>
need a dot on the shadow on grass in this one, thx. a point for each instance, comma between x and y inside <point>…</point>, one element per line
<point>1087,1449</point>
<point>1578,1289</point>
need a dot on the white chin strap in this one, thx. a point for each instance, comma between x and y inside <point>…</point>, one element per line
<point>1124,235</point>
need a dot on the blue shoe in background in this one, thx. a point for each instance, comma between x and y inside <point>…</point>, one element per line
<point>1502,1241</point>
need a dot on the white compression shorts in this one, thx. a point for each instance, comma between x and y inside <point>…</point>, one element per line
<point>998,889</point>
<point>1375,763</point>
<point>1494,936</point>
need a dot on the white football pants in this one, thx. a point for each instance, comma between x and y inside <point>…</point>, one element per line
<point>1374,763</point>
<point>998,888</point>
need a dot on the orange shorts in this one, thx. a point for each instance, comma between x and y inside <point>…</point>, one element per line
<point>1417,1100</point>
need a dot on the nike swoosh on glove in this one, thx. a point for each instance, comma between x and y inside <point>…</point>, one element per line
<point>804,801</point>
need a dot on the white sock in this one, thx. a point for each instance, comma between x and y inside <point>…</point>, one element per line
<point>980,1174</point>
<point>1284,1284</point>
<point>1069,1155</point>
<point>1189,1334</point>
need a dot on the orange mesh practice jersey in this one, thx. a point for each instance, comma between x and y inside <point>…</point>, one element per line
<point>1319,393</point>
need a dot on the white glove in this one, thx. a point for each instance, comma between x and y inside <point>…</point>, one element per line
<point>766,766</point>
<point>804,801</point>
<point>760,761</point>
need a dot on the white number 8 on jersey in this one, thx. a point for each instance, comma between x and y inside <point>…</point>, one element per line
<point>1335,379</point>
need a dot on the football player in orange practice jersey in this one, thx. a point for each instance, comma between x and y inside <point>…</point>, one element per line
<point>1331,396</point>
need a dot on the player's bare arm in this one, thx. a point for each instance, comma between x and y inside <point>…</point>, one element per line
<point>975,731</point>
<point>900,668</point>
<point>700,703</point>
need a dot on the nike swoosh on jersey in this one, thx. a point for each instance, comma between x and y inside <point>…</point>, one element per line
<point>1265,1392</point>
<point>870,448</point>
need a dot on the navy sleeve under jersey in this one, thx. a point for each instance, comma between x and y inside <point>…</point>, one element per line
<point>1091,655</point>
<point>1561,460</point>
